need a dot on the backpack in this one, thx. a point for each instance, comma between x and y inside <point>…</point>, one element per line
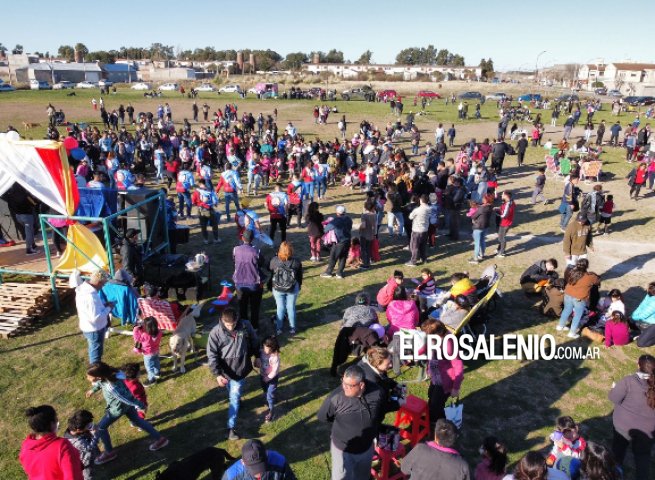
<point>284,278</point>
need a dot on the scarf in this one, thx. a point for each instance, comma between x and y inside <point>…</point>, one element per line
<point>643,376</point>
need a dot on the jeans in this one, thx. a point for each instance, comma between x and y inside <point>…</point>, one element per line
<point>286,304</point>
<point>350,466</point>
<point>27,221</point>
<point>184,199</point>
<point>96,343</point>
<point>250,298</point>
<point>254,179</point>
<point>106,421</point>
<point>502,232</point>
<point>321,186</point>
<point>338,253</point>
<point>480,243</point>
<point>231,197</point>
<point>575,306</point>
<point>294,209</point>
<point>270,389</point>
<point>208,217</point>
<point>234,394</point>
<point>282,222</point>
<point>398,217</point>
<point>641,449</point>
<point>308,190</point>
<point>651,179</point>
<point>566,216</point>
<point>151,362</point>
<point>536,193</point>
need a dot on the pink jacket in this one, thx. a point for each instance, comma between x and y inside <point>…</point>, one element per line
<point>447,373</point>
<point>385,295</point>
<point>616,334</point>
<point>149,345</point>
<point>402,314</point>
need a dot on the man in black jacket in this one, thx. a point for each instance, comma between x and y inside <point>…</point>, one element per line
<point>498,152</point>
<point>231,345</point>
<point>342,225</point>
<point>521,147</point>
<point>23,206</point>
<point>354,410</point>
<point>545,270</point>
<point>131,258</point>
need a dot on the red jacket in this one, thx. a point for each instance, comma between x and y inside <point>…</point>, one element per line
<point>50,458</point>
<point>385,295</point>
<point>137,390</point>
<point>507,214</point>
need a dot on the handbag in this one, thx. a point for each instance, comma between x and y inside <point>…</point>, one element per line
<point>454,412</point>
<point>375,250</point>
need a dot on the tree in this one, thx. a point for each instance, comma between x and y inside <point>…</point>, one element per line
<point>365,58</point>
<point>294,61</point>
<point>3,50</point>
<point>334,56</point>
<point>487,68</point>
<point>457,61</point>
<point>66,52</point>
<point>18,49</point>
<point>81,48</point>
<point>102,56</point>
<point>417,56</point>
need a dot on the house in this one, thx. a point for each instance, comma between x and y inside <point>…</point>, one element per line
<point>120,73</point>
<point>172,74</point>
<point>53,72</point>
<point>590,74</point>
<point>407,72</point>
<point>631,78</point>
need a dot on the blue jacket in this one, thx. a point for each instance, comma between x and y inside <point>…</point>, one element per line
<point>277,469</point>
<point>126,306</point>
<point>645,312</point>
<point>342,226</point>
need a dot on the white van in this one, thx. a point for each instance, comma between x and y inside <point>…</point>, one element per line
<point>37,85</point>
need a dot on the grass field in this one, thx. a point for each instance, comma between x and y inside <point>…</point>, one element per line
<point>517,401</point>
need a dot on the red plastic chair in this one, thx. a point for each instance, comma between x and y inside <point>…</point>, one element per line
<point>386,459</point>
<point>413,419</point>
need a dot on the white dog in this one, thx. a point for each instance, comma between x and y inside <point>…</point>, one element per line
<point>181,341</point>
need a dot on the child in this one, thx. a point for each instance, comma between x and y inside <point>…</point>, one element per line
<point>606,214</point>
<point>79,433</point>
<point>147,339</point>
<point>434,218</point>
<point>613,302</point>
<point>119,402</point>
<point>269,369</point>
<point>135,387</point>
<point>494,460</point>
<point>426,288</point>
<point>354,254</point>
<point>617,331</point>
<point>567,441</point>
<point>473,207</point>
<point>539,184</point>
<point>492,182</point>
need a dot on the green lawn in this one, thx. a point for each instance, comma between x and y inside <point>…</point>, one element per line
<point>517,401</point>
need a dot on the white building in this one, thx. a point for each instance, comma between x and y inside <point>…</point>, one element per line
<point>629,78</point>
<point>408,72</point>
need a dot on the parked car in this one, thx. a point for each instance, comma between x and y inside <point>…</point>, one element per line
<point>387,93</point>
<point>363,93</point>
<point>5,87</point>
<point>39,85</point>
<point>428,94</point>
<point>496,96</point>
<point>646,100</point>
<point>528,97</point>
<point>631,100</point>
<point>63,85</point>
<point>86,84</point>
<point>105,83</point>
<point>568,96</point>
<point>140,86</point>
<point>601,91</point>
<point>316,92</point>
<point>230,89</point>
<point>205,87</point>
<point>470,96</point>
<point>169,87</point>
<point>615,94</point>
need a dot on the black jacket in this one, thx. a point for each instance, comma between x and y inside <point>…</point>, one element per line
<point>386,384</point>
<point>230,353</point>
<point>355,420</point>
<point>537,273</point>
<point>132,260</point>
<point>481,217</point>
<point>19,201</point>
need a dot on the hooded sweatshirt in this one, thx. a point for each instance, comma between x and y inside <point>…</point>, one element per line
<point>402,314</point>
<point>385,295</point>
<point>50,458</point>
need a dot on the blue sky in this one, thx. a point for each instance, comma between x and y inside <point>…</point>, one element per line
<point>512,33</point>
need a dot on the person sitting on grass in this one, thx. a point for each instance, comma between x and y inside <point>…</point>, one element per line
<point>617,331</point>
<point>454,311</point>
<point>538,275</point>
<point>361,314</point>
<point>402,312</point>
<point>494,460</point>
<point>385,294</point>
<point>566,439</point>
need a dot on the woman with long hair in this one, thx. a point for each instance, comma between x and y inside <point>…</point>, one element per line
<point>579,283</point>
<point>598,463</point>
<point>286,283</point>
<point>634,416</point>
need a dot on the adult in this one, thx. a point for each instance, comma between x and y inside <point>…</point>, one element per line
<point>277,204</point>
<point>644,317</point>
<point>498,152</point>
<point>231,346</point>
<point>569,201</point>
<point>342,225</point>
<point>205,199</point>
<point>600,133</point>
<point>368,227</point>
<point>506,217</point>
<point>568,126</point>
<point>286,281</point>
<point>361,314</point>
<point>258,463</point>
<point>538,274</point>
<point>454,311</point>
<point>93,313</point>
<point>248,278</point>
<point>131,256</point>
<point>437,459</point>
<point>454,196</point>
<point>230,183</point>
<point>354,411</point>
<point>521,148</point>
<point>420,220</point>
<point>402,312</point>
<point>634,416</point>
<point>615,130</point>
<point>375,364</point>
<point>578,239</point>
<point>23,205</point>
<point>480,220</point>
<point>44,455</point>
<point>579,283</point>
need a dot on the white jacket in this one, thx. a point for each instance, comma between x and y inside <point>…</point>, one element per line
<point>91,310</point>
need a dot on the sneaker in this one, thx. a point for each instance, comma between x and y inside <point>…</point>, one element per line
<point>474,261</point>
<point>149,383</point>
<point>406,249</point>
<point>500,255</point>
<point>559,328</point>
<point>269,417</point>
<point>410,264</point>
<point>233,435</point>
<point>217,240</point>
<point>32,252</point>
<point>159,444</point>
<point>545,202</point>
<point>364,267</point>
<point>573,335</point>
<point>292,332</point>
<point>326,275</point>
<point>340,277</point>
<point>313,259</point>
<point>105,457</point>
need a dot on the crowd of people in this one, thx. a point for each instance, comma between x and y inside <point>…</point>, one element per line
<point>421,196</point>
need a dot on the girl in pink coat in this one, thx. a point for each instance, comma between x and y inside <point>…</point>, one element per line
<point>402,312</point>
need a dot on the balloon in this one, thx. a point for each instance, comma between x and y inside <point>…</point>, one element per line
<point>12,136</point>
<point>77,153</point>
<point>70,143</point>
